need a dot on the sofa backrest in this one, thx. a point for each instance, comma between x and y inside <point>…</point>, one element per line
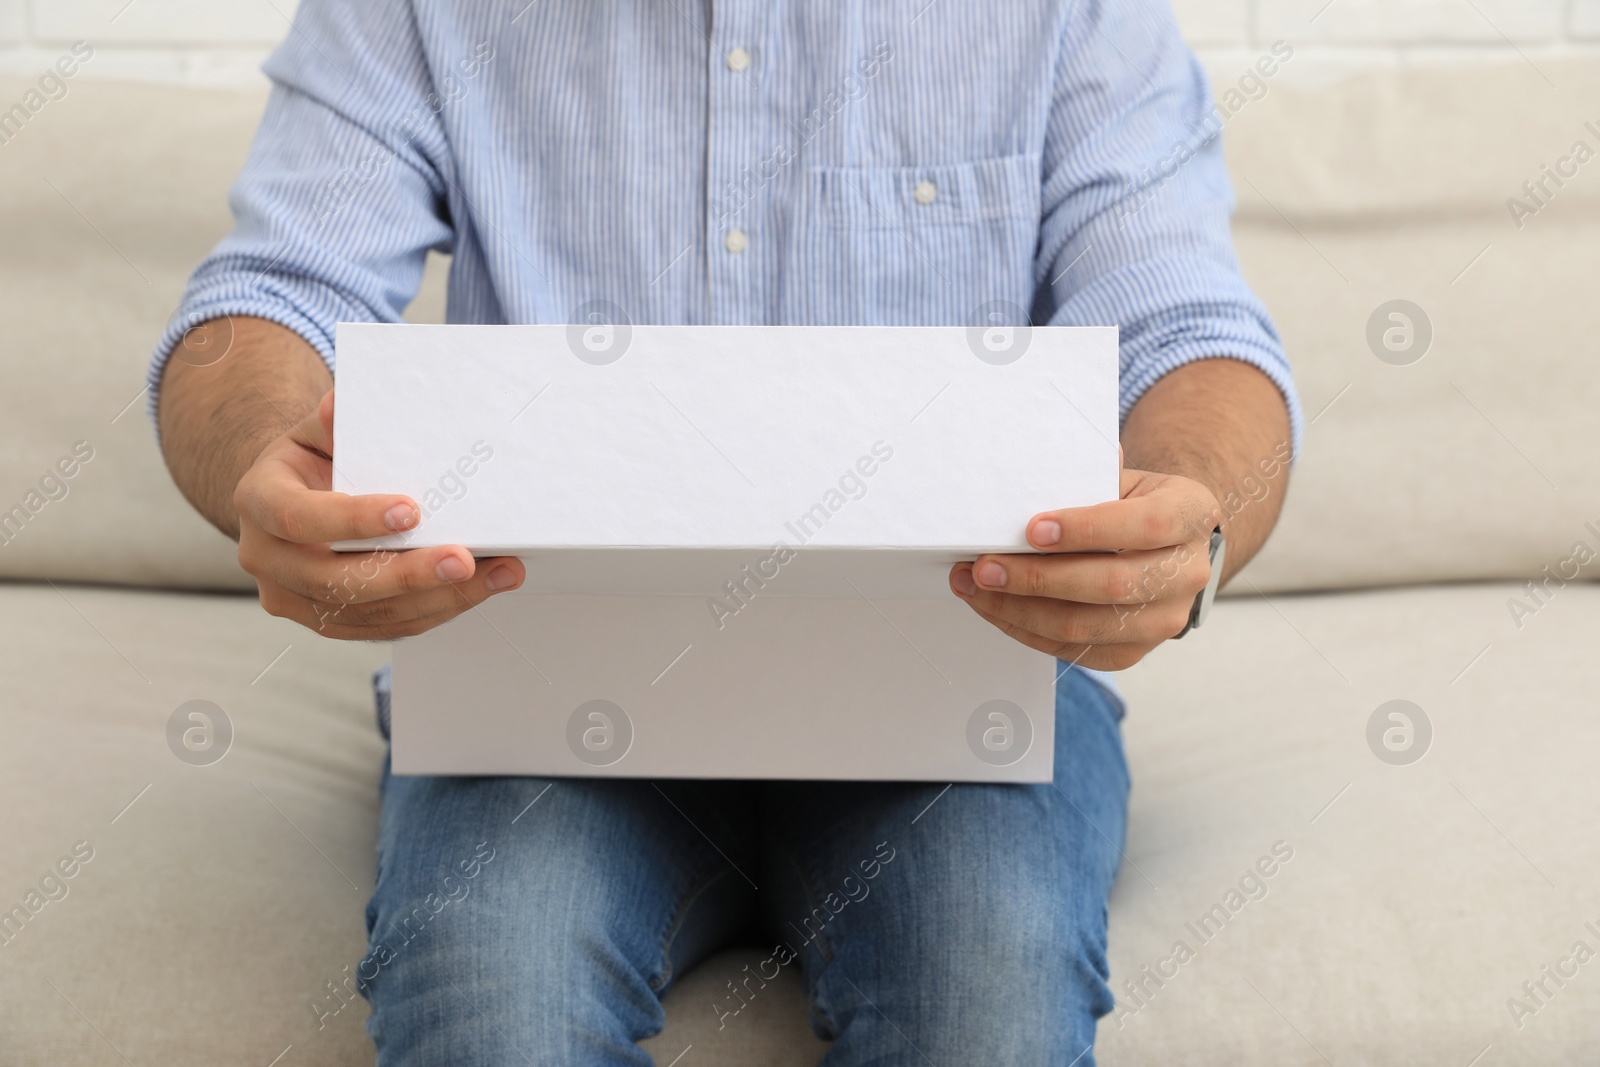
<point>109,197</point>
<point>1482,459</point>
<point>1477,461</point>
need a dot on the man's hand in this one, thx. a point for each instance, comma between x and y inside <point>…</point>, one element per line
<point>1120,577</point>
<point>288,515</point>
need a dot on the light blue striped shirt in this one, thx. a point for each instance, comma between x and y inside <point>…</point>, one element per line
<point>743,161</point>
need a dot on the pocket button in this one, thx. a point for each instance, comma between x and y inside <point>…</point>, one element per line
<point>925,192</point>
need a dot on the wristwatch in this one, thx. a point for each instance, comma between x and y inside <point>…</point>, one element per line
<point>1202,602</point>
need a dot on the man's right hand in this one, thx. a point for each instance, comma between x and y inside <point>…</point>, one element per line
<point>288,515</point>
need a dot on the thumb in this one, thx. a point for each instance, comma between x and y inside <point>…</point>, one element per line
<point>325,417</point>
<point>315,431</point>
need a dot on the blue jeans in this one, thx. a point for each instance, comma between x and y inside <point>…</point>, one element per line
<point>529,920</point>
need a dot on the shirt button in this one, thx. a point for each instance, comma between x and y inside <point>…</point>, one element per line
<point>734,241</point>
<point>925,192</point>
<point>738,60</point>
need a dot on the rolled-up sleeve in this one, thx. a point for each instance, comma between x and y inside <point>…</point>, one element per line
<point>343,193</point>
<point>1136,205</point>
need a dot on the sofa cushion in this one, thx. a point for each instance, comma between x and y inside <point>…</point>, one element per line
<point>221,899</point>
<point>1479,461</point>
<point>1421,895</point>
<point>1475,462</point>
<point>108,199</point>
<point>1346,142</point>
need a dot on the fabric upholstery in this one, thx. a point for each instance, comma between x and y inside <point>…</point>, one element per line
<point>1419,898</point>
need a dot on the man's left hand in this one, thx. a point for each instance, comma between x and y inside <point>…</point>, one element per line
<point>1118,578</point>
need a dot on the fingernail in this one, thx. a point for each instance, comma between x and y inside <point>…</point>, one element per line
<point>500,578</point>
<point>451,569</point>
<point>964,583</point>
<point>400,517</point>
<point>991,574</point>
<point>1046,532</point>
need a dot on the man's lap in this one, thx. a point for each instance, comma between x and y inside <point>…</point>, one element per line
<point>538,919</point>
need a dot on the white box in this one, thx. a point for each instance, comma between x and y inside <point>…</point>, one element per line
<point>737,539</point>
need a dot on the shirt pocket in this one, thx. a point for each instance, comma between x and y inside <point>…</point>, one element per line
<point>912,246</point>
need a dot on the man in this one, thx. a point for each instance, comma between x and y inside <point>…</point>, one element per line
<point>749,162</point>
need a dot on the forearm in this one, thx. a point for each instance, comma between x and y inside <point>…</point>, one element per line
<point>217,414</point>
<point>1224,424</point>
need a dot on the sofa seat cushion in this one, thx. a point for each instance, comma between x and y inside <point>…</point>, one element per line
<point>221,900</point>
<point>1420,895</point>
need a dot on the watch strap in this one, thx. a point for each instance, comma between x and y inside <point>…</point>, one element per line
<point>1203,599</point>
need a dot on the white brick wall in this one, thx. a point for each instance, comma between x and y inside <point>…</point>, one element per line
<point>223,41</point>
<point>190,41</point>
<point>172,23</point>
<point>12,26</point>
<point>1402,22</point>
<point>1586,19</point>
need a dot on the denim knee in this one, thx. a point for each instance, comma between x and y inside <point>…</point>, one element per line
<point>984,940</point>
<point>494,942</point>
<point>974,958</point>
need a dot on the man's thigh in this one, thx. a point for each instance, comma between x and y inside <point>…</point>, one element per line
<point>959,925</point>
<point>537,920</point>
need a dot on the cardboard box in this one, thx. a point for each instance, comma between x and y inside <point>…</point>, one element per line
<point>737,539</point>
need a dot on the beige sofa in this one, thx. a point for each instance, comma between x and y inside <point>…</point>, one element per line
<point>220,904</point>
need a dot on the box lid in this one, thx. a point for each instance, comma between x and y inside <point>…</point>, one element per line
<point>639,459</point>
